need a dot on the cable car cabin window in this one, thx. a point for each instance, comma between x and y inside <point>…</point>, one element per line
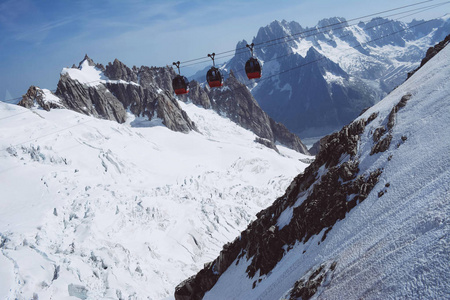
<point>180,85</point>
<point>214,77</point>
<point>253,68</point>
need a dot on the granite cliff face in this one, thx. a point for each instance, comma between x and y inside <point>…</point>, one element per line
<point>96,101</point>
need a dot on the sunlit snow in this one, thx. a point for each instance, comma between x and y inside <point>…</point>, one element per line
<point>93,208</point>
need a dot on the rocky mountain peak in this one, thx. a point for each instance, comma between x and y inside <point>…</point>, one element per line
<point>119,71</point>
<point>329,22</point>
<point>88,60</point>
<point>239,46</point>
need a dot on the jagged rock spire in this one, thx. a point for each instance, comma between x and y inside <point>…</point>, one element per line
<point>88,59</point>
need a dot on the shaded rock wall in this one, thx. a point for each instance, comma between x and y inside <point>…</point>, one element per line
<point>152,97</point>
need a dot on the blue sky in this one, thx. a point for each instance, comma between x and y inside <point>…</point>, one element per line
<point>40,37</point>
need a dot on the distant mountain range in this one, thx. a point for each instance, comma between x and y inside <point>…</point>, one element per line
<point>315,80</point>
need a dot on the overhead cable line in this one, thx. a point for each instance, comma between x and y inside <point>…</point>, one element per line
<point>270,76</point>
<point>315,31</point>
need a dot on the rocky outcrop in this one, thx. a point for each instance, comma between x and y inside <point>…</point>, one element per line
<point>306,287</point>
<point>34,96</point>
<point>431,52</point>
<point>198,95</point>
<point>236,102</point>
<point>118,71</point>
<point>382,136</point>
<point>269,144</point>
<point>172,115</point>
<point>88,60</point>
<point>287,138</point>
<point>330,188</point>
<point>96,101</point>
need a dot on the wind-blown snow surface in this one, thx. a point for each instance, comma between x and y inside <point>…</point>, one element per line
<point>92,209</point>
<point>394,246</point>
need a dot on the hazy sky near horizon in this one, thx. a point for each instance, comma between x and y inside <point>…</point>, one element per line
<point>40,37</point>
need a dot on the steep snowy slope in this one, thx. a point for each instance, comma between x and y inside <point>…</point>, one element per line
<point>93,209</point>
<point>368,219</point>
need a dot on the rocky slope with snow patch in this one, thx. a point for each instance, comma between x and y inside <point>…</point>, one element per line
<point>367,219</point>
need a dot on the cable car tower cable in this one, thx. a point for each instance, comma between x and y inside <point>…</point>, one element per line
<point>213,77</point>
<point>252,66</point>
<point>180,84</point>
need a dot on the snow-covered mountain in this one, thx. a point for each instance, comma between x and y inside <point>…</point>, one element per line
<point>112,91</point>
<point>368,219</point>
<point>94,209</point>
<point>315,80</point>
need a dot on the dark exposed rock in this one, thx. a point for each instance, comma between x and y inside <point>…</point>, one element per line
<point>198,95</point>
<point>383,144</point>
<point>317,146</point>
<point>378,133</point>
<point>97,100</point>
<point>395,109</point>
<point>100,67</point>
<point>287,138</point>
<point>326,201</point>
<point>156,78</point>
<point>236,102</point>
<point>172,115</point>
<point>150,102</point>
<point>32,94</point>
<point>88,59</point>
<point>36,95</point>
<point>431,52</point>
<point>118,71</point>
<point>372,117</point>
<point>267,143</point>
<point>140,101</point>
<point>307,286</point>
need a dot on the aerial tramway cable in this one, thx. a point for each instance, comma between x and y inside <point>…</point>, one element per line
<point>243,86</point>
<point>318,30</point>
<point>330,25</point>
<point>313,32</point>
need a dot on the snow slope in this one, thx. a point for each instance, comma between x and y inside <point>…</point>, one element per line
<point>391,246</point>
<point>93,209</point>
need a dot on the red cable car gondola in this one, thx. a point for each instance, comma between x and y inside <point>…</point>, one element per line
<point>180,84</point>
<point>213,76</point>
<point>252,66</point>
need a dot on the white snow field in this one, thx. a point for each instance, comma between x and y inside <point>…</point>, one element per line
<point>391,247</point>
<point>93,209</point>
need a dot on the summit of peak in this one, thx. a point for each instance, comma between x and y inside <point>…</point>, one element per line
<point>88,60</point>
